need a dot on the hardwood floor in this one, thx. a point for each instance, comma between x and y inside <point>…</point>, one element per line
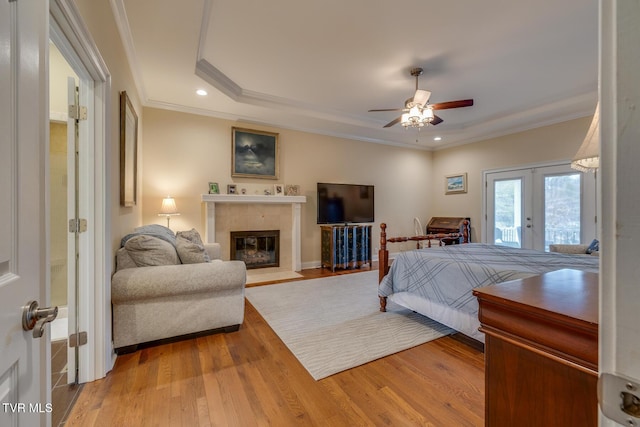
<point>250,378</point>
<point>63,395</point>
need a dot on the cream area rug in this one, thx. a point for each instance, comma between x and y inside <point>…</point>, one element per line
<point>333,324</point>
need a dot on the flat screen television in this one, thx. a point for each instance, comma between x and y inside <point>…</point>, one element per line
<point>345,203</point>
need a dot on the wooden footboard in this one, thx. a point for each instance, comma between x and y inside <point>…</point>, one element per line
<point>383,253</point>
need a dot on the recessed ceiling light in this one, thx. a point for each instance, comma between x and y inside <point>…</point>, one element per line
<point>437,138</point>
<point>201,92</point>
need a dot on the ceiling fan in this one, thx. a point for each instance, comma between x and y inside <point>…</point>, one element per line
<point>417,111</point>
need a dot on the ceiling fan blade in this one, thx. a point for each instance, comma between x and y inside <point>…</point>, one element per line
<point>436,120</point>
<point>453,104</point>
<point>393,122</point>
<point>421,97</point>
<point>388,109</point>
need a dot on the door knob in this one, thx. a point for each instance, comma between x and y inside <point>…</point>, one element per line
<point>34,317</point>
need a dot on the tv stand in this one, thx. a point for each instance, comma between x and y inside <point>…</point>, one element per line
<point>345,246</point>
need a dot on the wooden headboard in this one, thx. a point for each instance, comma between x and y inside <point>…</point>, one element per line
<point>383,253</point>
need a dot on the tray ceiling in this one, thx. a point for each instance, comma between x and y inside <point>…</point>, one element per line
<point>319,66</point>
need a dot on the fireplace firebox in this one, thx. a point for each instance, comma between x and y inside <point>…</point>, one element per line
<point>258,249</point>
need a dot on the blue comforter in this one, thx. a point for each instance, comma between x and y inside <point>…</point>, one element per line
<point>448,274</point>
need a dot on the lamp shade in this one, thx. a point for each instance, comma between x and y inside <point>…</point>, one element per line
<point>168,206</point>
<point>587,159</point>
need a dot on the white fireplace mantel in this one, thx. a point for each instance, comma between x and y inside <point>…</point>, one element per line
<point>210,201</point>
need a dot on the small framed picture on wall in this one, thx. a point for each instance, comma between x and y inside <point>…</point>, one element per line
<point>455,184</point>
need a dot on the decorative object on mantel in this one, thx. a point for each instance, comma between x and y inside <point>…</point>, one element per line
<point>267,192</point>
<point>456,183</point>
<point>168,208</point>
<point>254,154</point>
<point>278,189</point>
<point>231,189</point>
<point>587,159</point>
<point>214,188</point>
<point>291,190</point>
<point>128,151</point>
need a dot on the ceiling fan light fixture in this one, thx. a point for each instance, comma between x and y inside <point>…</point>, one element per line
<point>417,112</point>
<point>417,117</point>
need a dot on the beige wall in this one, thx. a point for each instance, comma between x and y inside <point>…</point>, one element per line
<point>180,153</point>
<point>58,212</point>
<point>59,70</point>
<point>546,144</point>
<point>183,152</point>
<point>99,19</point>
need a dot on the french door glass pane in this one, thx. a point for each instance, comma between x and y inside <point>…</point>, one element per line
<point>562,209</point>
<point>508,212</point>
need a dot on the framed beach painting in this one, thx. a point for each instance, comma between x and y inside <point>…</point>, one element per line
<point>254,154</point>
<point>128,151</point>
<point>454,184</point>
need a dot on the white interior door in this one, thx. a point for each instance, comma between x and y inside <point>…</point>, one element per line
<point>538,206</point>
<point>619,329</point>
<point>24,360</point>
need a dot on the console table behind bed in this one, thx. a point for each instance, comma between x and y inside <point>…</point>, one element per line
<point>383,253</point>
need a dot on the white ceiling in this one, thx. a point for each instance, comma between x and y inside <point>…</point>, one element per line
<point>319,66</point>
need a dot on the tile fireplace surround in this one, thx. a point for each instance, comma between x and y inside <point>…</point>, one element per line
<point>241,212</point>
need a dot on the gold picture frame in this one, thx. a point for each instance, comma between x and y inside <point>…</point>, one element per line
<point>254,154</point>
<point>455,184</point>
<point>128,152</point>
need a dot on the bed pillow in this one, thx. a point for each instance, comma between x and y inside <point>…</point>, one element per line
<point>148,251</point>
<point>194,237</point>
<point>594,246</point>
<point>190,252</point>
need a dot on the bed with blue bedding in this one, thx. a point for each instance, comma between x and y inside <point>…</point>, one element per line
<point>437,282</point>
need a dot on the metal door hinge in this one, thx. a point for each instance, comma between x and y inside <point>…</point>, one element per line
<point>76,340</point>
<point>619,399</point>
<point>78,112</point>
<point>78,225</point>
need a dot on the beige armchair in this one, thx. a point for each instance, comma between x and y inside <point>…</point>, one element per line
<point>164,292</point>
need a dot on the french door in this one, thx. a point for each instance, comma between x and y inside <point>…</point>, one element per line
<point>534,207</point>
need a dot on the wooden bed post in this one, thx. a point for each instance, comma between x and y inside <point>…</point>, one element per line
<point>383,253</point>
<point>383,261</point>
<point>465,231</point>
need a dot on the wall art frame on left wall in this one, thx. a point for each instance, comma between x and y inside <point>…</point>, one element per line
<point>128,151</point>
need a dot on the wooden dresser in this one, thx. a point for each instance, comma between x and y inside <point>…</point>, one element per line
<point>541,350</point>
